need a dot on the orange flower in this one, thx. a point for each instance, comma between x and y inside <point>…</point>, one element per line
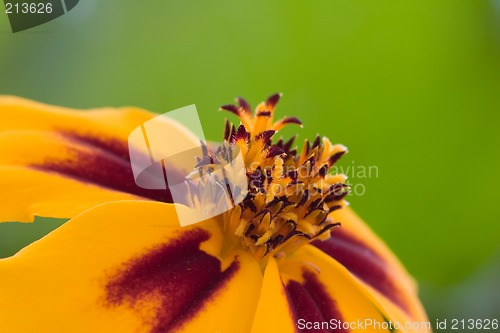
<point>289,258</point>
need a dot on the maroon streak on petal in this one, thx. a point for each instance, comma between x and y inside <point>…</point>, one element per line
<point>106,164</point>
<point>231,108</point>
<point>265,136</point>
<point>110,145</point>
<point>325,303</point>
<point>310,301</point>
<point>244,105</point>
<point>303,306</point>
<point>241,134</point>
<point>273,100</point>
<point>335,157</point>
<point>273,151</point>
<point>177,276</point>
<point>264,114</point>
<point>364,263</point>
<point>291,120</point>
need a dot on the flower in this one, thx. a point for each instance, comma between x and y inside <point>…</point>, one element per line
<point>289,258</point>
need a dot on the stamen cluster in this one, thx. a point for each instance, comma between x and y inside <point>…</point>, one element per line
<point>290,195</point>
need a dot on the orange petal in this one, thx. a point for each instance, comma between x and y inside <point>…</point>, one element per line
<point>320,290</point>
<point>22,114</point>
<point>356,247</point>
<point>273,313</point>
<point>128,267</point>
<point>57,162</point>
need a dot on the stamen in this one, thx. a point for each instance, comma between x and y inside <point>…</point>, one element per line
<point>290,196</point>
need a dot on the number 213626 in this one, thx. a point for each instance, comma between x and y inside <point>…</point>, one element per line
<point>474,324</point>
<point>28,8</point>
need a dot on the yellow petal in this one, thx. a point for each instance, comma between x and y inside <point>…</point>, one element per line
<point>128,267</point>
<point>22,114</point>
<point>25,193</point>
<point>320,289</point>
<point>354,299</point>
<point>57,162</point>
<point>273,312</point>
<point>365,255</point>
<point>233,308</point>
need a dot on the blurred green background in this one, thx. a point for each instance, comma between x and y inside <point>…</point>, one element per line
<point>411,87</point>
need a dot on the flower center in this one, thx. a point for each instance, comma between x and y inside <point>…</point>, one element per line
<point>290,195</point>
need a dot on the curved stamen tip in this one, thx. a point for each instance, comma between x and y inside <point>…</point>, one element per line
<point>273,99</point>
<point>231,108</point>
<point>292,120</point>
<point>244,105</point>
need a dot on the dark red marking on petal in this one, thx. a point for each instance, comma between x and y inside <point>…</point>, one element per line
<point>227,131</point>
<point>305,197</point>
<point>103,162</point>
<point>264,114</point>
<point>178,277</point>
<point>231,108</point>
<point>110,145</point>
<point>328,227</point>
<point>306,147</point>
<point>334,208</point>
<point>326,304</point>
<point>273,151</point>
<point>241,134</point>
<point>265,136</point>
<point>256,178</point>
<point>316,142</point>
<point>364,263</point>
<point>291,120</point>
<point>273,100</point>
<point>303,306</point>
<point>323,171</point>
<point>335,157</point>
<point>287,145</point>
<point>244,105</point>
<point>310,301</point>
